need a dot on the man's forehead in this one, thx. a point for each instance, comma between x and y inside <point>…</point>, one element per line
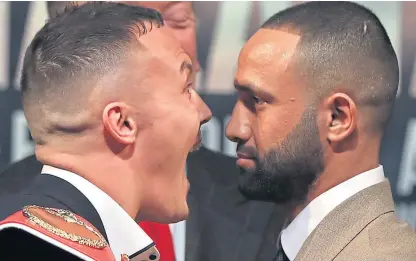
<point>160,37</point>
<point>157,5</point>
<point>160,6</point>
<point>269,47</point>
<point>162,45</point>
<point>265,57</point>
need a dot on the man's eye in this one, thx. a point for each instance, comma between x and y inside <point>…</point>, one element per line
<point>190,89</point>
<point>257,100</point>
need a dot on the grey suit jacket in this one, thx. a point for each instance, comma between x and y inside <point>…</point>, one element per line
<point>363,228</point>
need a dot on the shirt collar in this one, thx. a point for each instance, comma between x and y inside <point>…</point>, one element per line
<point>309,218</point>
<point>124,235</point>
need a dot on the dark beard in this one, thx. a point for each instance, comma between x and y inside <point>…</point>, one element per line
<point>286,173</point>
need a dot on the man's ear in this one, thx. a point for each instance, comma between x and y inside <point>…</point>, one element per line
<point>341,117</point>
<point>119,123</point>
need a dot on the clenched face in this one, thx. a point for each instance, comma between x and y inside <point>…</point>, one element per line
<point>274,121</point>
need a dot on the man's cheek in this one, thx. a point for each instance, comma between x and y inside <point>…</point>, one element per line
<point>266,135</point>
<point>275,126</point>
<point>183,125</point>
<point>190,124</point>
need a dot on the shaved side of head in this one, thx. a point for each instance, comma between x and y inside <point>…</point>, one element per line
<point>68,59</point>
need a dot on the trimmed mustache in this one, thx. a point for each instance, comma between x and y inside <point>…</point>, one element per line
<point>247,151</point>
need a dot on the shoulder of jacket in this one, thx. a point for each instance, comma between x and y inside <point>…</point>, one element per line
<point>390,237</point>
<point>61,229</point>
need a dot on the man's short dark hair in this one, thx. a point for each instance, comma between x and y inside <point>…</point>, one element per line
<point>75,47</point>
<point>56,8</point>
<point>344,45</point>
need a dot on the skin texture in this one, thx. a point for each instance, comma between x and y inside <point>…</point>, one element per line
<point>291,146</point>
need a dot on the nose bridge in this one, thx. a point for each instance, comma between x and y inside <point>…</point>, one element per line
<point>239,126</point>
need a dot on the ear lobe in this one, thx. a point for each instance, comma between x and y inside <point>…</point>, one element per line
<point>343,119</point>
<point>119,123</point>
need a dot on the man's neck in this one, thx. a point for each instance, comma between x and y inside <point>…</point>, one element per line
<point>107,174</point>
<point>336,173</point>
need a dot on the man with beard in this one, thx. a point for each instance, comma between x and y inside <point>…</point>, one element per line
<point>222,224</point>
<point>317,85</point>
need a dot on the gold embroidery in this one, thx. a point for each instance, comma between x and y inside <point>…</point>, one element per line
<point>68,217</point>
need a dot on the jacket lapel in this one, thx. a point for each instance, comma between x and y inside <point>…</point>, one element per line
<point>65,193</point>
<point>346,221</point>
<point>268,246</point>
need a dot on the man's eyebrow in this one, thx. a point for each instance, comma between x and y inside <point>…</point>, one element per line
<point>253,90</point>
<point>245,87</point>
<point>186,65</point>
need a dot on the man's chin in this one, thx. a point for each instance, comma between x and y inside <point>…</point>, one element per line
<point>250,185</point>
<point>264,195</point>
<point>259,186</point>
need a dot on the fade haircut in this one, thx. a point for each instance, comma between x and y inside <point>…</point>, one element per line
<point>344,47</point>
<point>70,54</point>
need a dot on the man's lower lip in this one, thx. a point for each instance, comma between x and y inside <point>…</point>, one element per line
<point>245,162</point>
<point>197,144</point>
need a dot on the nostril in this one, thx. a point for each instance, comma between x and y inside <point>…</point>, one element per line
<point>234,138</point>
<point>205,120</point>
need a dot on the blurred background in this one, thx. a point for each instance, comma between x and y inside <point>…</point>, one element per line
<point>223,27</point>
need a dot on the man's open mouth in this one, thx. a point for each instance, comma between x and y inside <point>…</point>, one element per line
<point>198,142</point>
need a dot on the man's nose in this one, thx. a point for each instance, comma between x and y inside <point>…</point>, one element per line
<point>205,113</point>
<point>238,128</point>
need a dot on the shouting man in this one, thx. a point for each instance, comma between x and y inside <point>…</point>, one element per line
<point>112,134</point>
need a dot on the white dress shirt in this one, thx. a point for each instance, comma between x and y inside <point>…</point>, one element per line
<point>178,231</point>
<point>309,218</point>
<point>123,233</point>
